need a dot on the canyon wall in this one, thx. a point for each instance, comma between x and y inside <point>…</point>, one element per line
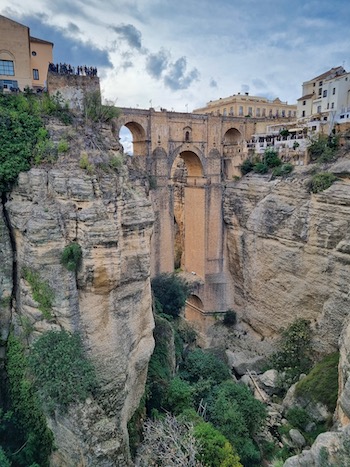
<point>108,301</point>
<point>289,256</point>
<point>289,253</point>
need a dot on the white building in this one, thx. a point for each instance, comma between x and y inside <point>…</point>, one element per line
<point>326,97</point>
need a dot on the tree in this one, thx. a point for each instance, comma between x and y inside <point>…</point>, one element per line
<point>238,416</point>
<point>293,356</point>
<point>214,449</point>
<point>171,292</point>
<point>201,365</point>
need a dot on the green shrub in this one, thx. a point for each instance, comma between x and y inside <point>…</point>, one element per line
<point>246,167</point>
<point>230,318</point>
<point>298,417</point>
<point>20,130</point>
<point>282,170</point>
<point>85,164</point>
<point>160,369</point>
<point>42,292</point>
<point>71,256</point>
<point>293,356</point>
<point>321,384</point>
<point>260,168</point>
<point>116,162</point>
<point>171,291</point>
<point>201,365</point>
<point>179,396</point>
<point>322,181</point>
<point>239,416</point>
<point>95,111</point>
<point>62,146</point>
<point>271,158</point>
<point>323,148</point>
<point>62,373</point>
<point>214,449</point>
<point>27,433</point>
<point>4,461</point>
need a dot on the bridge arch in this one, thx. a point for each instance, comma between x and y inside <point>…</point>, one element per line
<point>138,138</point>
<point>193,158</point>
<point>232,136</point>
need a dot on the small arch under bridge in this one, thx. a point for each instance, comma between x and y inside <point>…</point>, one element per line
<point>189,156</point>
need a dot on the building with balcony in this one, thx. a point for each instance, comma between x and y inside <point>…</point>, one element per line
<point>326,98</point>
<point>24,59</point>
<point>243,105</point>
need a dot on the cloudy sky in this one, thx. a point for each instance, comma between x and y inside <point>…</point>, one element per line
<point>179,54</point>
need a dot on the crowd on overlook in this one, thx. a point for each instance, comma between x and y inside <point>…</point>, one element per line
<point>64,69</point>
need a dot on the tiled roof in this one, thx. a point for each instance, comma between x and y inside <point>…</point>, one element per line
<point>339,70</point>
<point>307,96</point>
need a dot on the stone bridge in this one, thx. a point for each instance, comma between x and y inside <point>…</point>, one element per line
<point>187,158</point>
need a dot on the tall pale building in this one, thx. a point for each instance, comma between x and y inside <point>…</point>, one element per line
<point>24,60</point>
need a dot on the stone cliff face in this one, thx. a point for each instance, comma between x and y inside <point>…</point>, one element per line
<point>108,302</point>
<point>289,254</point>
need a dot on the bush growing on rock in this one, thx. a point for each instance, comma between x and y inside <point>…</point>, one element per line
<point>171,292</point>
<point>321,384</point>
<point>322,181</point>
<point>62,373</point>
<point>71,256</point>
<point>293,356</point>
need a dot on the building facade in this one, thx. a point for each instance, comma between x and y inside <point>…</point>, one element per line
<point>326,97</point>
<point>24,60</point>
<point>244,105</point>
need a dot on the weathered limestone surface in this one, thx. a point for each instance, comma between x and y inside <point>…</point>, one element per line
<point>6,265</point>
<point>109,302</point>
<point>289,254</point>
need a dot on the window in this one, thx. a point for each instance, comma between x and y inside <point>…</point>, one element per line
<point>7,68</point>
<point>224,113</point>
<point>303,114</point>
<point>333,91</point>
<point>240,110</point>
<point>35,73</point>
<point>231,110</point>
<point>283,113</point>
<point>320,92</point>
<point>304,102</point>
<point>325,93</point>
<point>264,112</point>
<point>332,106</point>
<point>295,113</point>
<point>327,105</point>
<point>313,128</point>
<point>289,113</point>
<point>318,109</point>
<point>34,53</point>
<point>258,112</point>
<point>8,84</point>
<point>250,111</point>
<point>320,83</point>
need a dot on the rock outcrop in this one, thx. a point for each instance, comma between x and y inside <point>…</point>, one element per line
<point>289,254</point>
<point>108,301</point>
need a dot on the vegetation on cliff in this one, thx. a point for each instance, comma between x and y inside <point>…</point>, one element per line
<point>24,140</point>
<point>24,435</point>
<point>268,162</point>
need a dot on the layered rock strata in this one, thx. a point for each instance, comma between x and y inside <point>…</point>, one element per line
<point>108,301</point>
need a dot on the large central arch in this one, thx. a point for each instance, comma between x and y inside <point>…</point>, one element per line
<point>139,139</point>
<point>189,212</point>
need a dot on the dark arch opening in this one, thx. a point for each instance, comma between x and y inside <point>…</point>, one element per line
<point>232,136</point>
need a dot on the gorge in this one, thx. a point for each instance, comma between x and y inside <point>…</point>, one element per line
<point>278,252</point>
